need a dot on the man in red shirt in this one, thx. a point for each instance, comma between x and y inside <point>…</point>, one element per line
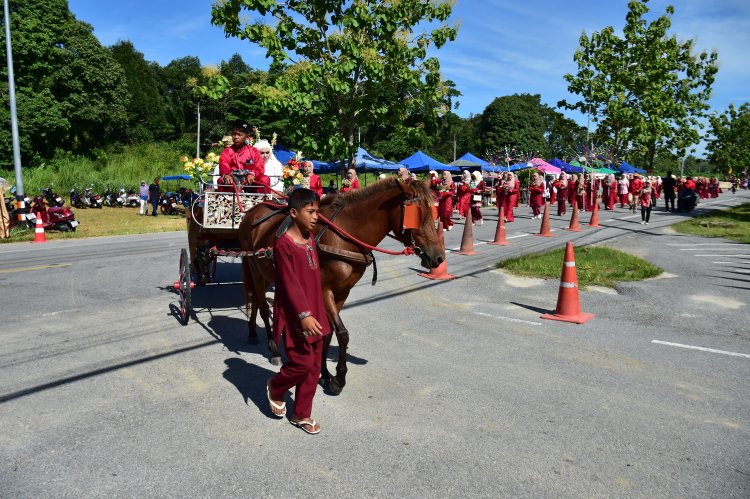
<point>242,156</point>
<point>315,183</point>
<point>636,185</point>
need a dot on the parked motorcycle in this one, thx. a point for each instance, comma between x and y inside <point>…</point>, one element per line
<point>122,198</point>
<point>109,198</point>
<point>133,199</point>
<point>91,200</point>
<point>687,200</point>
<point>53,218</point>
<point>76,199</point>
<point>52,198</point>
<point>168,204</point>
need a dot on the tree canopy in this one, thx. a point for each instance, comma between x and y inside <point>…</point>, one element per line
<point>646,91</point>
<point>729,145</point>
<point>338,66</point>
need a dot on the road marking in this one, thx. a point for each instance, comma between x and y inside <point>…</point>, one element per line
<point>704,249</point>
<point>509,319</point>
<point>728,254</point>
<point>727,263</point>
<point>40,267</point>
<point>706,244</point>
<point>702,349</point>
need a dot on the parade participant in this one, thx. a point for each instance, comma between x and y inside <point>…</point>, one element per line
<point>588,196</point>
<point>404,175</point>
<point>272,167</point>
<point>434,184</point>
<point>500,184</point>
<point>561,186</point>
<point>351,182</point>
<point>656,190</point>
<point>241,156</point>
<point>689,184</point>
<point>446,191</point>
<point>713,187</point>
<point>536,195</point>
<point>154,195</point>
<point>572,189</point>
<point>315,182</point>
<point>644,198</point>
<point>612,198</point>
<point>299,314</point>
<point>668,185</point>
<point>636,184</point>
<point>463,193</point>
<point>478,187</point>
<point>623,187</point>
<point>511,196</point>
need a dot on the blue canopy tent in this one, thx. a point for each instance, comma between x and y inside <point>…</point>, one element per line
<point>520,166</point>
<point>284,154</point>
<point>420,162</point>
<point>474,159</point>
<point>363,160</point>
<point>177,177</point>
<point>626,168</point>
<point>566,167</point>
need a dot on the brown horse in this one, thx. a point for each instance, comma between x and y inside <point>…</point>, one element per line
<point>368,215</point>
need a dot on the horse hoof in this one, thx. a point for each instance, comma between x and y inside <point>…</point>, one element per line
<point>335,387</point>
<point>276,361</point>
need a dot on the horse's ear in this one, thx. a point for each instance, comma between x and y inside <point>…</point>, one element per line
<point>407,188</point>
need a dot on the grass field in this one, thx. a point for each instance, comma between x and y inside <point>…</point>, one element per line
<point>595,266</point>
<point>108,222</point>
<point>731,224</point>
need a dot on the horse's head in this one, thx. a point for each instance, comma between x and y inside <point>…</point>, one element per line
<point>419,223</point>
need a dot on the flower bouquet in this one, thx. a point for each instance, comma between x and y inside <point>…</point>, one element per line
<point>293,175</point>
<point>198,167</point>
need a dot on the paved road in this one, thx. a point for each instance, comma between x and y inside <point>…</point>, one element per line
<point>455,388</point>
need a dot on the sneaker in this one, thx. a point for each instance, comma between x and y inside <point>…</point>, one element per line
<point>450,228</point>
<point>646,223</point>
<point>643,222</point>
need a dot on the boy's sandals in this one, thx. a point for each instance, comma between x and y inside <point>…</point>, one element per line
<point>311,427</point>
<point>278,410</point>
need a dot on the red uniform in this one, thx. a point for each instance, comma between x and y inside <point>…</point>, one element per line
<point>445,206</point>
<point>243,158</point>
<point>463,191</point>
<point>562,197</point>
<point>315,184</point>
<point>612,199</point>
<point>511,190</point>
<point>351,187</point>
<point>298,291</point>
<point>476,206</point>
<point>536,197</point>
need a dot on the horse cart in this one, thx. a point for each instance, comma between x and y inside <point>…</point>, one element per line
<point>213,220</point>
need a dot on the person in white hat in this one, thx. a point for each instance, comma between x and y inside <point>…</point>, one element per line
<point>273,167</point>
<point>477,190</point>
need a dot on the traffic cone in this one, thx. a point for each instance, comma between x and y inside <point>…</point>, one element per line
<point>595,216</point>
<point>500,230</point>
<point>440,273</point>
<point>568,304</point>
<point>574,219</point>
<point>467,238</point>
<point>544,229</point>
<point>39,236</point>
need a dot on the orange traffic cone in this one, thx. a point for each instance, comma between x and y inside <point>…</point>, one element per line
<point>440,273</point>
<point>568,304</point>
<point>544,229</point>
<point>39,236</point>
<point>467,238</point>
<point>574,219</point>
<point>595,216</point>
<point>500,231</point>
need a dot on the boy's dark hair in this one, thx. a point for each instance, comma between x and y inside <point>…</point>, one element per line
<point>242,125</point>
<point>299,198</point>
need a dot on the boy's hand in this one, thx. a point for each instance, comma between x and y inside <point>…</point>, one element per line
<point>311,326</point>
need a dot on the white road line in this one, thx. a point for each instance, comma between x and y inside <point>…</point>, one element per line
<point>509,319</point>
<point>702,349</point>
<point>707,244</point>
<point>728,263</point>
<point>704,249</point>
<point>727,254</point>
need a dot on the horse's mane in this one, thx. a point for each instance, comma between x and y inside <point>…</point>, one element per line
<point>423,194</point>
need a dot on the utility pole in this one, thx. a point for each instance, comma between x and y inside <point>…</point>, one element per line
<point>198,139</point>
<point>13,117</point>
<point>454,146</point>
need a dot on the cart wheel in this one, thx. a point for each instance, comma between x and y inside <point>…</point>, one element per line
<point>184,286</point>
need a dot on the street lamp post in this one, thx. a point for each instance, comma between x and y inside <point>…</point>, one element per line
<point>13,116</point>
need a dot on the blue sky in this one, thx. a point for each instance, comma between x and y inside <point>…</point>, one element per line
<point>504,47</point>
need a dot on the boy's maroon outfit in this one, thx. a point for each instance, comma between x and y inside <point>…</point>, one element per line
<point>297,292</point>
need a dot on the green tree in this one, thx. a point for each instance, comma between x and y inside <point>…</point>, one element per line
<point>729,145</point>
<point>146,117</point>
<point>180,103</point>
<point>338,66</point>
<point>646,91</point>
<point>515,121</point>
<point>71,93</point>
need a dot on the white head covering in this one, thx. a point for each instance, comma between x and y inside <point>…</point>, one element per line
<point>433,172</point>
<point>381,176</point>
<point>477,175</point>
<point>273,167</point>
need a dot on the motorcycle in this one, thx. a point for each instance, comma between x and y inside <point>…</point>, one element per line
<point>687,200</point>
<point>91,200</point>
<point>168,204</point>
<point>122,198</point>
<point>52,198</point>
<point>108,198</point>
<point>76,199</point>
<point>53,218</point>
<point>133,200</point>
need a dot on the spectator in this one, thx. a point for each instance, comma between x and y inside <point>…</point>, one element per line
<point>154,195</point>
<point>143,196</point>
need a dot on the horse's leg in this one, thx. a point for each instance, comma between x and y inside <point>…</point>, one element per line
<point>265,314</point>
<point>337,383</point>
<point>247,285</point>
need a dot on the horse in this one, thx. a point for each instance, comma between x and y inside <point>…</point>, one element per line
<point>360,220</point>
